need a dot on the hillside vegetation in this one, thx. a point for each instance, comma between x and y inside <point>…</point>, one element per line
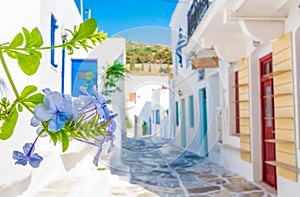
<point>144,58</point>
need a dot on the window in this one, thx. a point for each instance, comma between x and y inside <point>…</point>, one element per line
<point>177,115</point>
<point>53,29</point>
<point>191,110</point>
<point>237,104</point>
<point>201,74</point>
<point>157,116</point>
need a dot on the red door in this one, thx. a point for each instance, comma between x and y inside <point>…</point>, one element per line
<point>268,134</point>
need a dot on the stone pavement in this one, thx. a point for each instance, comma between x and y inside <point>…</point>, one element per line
<point>168,171</point>
<point>150,167</point>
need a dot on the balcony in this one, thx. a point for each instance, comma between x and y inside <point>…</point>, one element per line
<point>196,13</point>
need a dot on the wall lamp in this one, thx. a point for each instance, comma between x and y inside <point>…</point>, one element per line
<point>180,93</point>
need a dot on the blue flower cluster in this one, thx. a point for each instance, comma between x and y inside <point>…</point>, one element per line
<point>57,109</point>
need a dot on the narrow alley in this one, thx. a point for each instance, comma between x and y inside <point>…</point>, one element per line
<point>167,170</point>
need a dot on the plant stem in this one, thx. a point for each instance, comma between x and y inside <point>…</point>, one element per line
<point>8,75</point>
<point>28,108</point>
<point>42,48</point>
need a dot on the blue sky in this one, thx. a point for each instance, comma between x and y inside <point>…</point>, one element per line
<point>136,20</point>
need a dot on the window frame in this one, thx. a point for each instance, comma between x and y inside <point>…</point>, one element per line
<point>53,28</point>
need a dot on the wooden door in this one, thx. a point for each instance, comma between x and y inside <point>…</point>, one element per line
<point>203,123</point>
<point>268,126</point>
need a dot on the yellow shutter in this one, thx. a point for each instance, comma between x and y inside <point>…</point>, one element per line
<point>284,108</point>
<point>243,70</point>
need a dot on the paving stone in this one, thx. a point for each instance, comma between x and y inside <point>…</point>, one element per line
<point>217,181</point>
<point>229,174</point>
<point>237,179</point>
<point>191,185</point>
<point>208,176</point>
<point>213,165</point>
<point>203,189</point>
<point>187,173</point>
<point>147,195</point>
<point>256,194</point>
<point>222,194</point>
<point>241,187</point>
<point>186,178</point>
<point>197,168</point>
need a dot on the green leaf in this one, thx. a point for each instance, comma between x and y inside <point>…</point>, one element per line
<point>101,169</point>
<point>28,90</point>
<point>36,38</point>
<point>8,126</point>
<point>20,108</point>
<point>36,98</point>
<point>86,29</point>
<point>28,63</point>
<point>12,54</point>
<point>35,53</point>
<point>53,137</point>
<point>17,41</point>
<point>65,141</point>
<point>28,36</point>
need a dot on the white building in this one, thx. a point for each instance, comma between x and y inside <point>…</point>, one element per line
<point>139,91</point>
<point>160,112</point>
<point>55,72</point>
<point>252,98</point>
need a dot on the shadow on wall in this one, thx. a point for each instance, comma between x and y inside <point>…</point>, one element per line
<point>15,189</point>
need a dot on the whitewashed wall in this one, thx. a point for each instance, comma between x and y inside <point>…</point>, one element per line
<point>30,14</point>
<point>143,86</point>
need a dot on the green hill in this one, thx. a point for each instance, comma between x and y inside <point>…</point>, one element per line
<point>139,53</point>
<point>148,59</point>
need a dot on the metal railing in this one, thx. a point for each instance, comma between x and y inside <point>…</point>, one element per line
<point>196,13</point>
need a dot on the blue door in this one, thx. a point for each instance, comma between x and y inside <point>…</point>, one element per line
<point>84,73</point>
<point>183,124</point>
<point>203,123</point>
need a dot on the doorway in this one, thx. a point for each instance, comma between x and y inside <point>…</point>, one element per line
<point>268,123</point>
<point>203,123</point>
<point>84,73</point>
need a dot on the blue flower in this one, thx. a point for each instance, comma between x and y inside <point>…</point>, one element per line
<point>82,105</point>
<point>100,104</point>
<point>111,127</point>
<point>35,123</point>
<point>97,103</point>
<point>23,158</point>
<point>57,109</point>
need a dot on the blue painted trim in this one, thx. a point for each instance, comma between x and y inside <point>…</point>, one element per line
<point>54,27</point>
<point>63,69</point>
